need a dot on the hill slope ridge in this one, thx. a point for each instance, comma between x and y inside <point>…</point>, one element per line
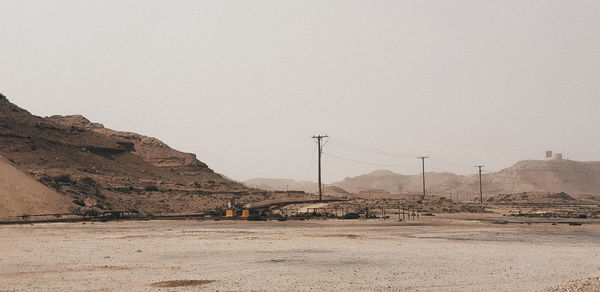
<point>109,169</point>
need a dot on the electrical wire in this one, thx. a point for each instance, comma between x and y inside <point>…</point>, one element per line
<point>310,164</point>
<point>368,149</point>
<point>365,162</point>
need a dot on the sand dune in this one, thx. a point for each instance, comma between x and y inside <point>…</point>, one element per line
<point>21,194</point>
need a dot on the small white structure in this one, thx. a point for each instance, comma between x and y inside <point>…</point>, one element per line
<point>553,156</point>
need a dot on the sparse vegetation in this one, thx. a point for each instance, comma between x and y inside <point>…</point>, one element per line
<point>63,179</point>
<point>89,186</point>
<point>351,216</point>
<point>90,213</point>
<point>151,188</point>
<point>255,217</point>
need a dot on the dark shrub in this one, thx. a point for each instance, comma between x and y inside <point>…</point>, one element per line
<point>278,217</point>
<point>351,216</point>
<point>88,181</point>
<point>79,202</point>
<point>90,187</point>
<point>255,217</point>
<point>151,188</point>
<point>90,213</point>
<point>65,179</point>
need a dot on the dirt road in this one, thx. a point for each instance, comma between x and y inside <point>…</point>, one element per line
<point>431,255</point>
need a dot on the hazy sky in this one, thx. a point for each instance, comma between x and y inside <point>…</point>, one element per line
<point>245,84</point>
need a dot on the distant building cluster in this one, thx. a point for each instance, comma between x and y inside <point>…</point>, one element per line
<point>553,156</point>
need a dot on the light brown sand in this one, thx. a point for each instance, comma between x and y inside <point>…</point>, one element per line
<point>434,255</point>
<point>21,194</point>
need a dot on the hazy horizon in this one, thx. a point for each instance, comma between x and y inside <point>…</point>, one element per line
<point>245,86</point>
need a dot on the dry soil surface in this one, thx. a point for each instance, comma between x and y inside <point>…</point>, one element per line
<point>431,255</point>
<point>20,194</point>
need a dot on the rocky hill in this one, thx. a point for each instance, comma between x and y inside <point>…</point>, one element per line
<point>105,169</point>
<point>531,176</point>
<point>282,184</point>
<point>573,177</point>
<point>388,181</point>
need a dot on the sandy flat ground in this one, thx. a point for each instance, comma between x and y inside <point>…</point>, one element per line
<point>431,255</point>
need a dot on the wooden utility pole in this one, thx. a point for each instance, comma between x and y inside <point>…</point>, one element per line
<point>480,185</point>
<point>320,146</point>
<point>423,160</point>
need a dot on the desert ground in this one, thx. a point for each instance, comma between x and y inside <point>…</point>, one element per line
<point>441,253</point>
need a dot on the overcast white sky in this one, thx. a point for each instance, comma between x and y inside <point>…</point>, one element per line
<point>245,84</point>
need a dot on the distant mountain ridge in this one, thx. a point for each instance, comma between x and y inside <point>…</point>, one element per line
<point>282,184</point>
<point>285,184</point>
<point>554,176</point>
<point>525,176</point>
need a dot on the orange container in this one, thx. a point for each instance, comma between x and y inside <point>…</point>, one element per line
<point>245,213</point>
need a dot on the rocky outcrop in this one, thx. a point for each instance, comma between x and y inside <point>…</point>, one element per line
<point>107,169</point>
<point>149,149</point>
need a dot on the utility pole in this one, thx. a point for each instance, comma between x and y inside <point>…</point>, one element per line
<point>480,185</point>
<point>423,160</point>
<point>319,138</point>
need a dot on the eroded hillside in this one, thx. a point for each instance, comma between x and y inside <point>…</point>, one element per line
<point>110,170</point>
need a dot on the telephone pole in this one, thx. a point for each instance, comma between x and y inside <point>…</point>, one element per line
<point>423,160</point>
<point>480,185</point>
<point>319,138</point>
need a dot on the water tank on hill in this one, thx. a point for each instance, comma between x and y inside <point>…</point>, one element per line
<point>557,156</point>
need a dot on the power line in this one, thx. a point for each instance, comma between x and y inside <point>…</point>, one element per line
<point>368,149</point>
<point>310,163</point>
<point>456,165</point>
<point>365,162</point>
<point>440,170</point>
